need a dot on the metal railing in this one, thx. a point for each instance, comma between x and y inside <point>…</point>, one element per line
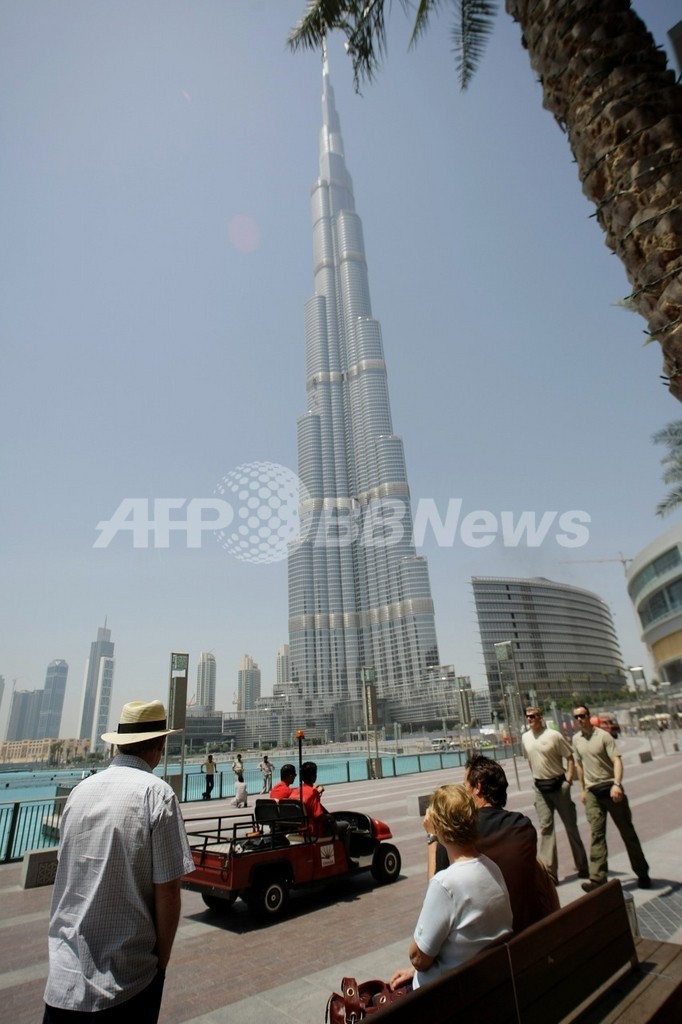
<point>29,825</point>
<point>34,824</point>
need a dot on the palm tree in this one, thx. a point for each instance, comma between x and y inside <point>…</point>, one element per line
<point>611,92</point>
<point>671,436</point>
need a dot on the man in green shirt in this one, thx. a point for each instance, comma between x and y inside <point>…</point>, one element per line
<point>600,772</point>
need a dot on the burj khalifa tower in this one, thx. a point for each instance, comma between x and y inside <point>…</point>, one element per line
<point>360,605</point>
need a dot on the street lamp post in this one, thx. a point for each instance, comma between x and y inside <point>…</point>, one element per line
<point>504,651</point>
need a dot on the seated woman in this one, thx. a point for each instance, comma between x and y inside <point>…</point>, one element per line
<point>466,906</point>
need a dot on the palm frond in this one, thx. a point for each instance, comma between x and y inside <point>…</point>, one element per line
<point>670,434</point>
<point>422,16</point>
<point>364,26</point>
<point>673,474</point>
<point>361,21</point>
<point>473,24</point>
<point>672,501</point>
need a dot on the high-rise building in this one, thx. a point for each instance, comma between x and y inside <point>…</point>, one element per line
<point>554,642</point>
<point>206,676</point>
<point>248,684</point>
<point>360,606</point>
<point>53,700</point>
<point>97,687</point>
<point>24,715</point>
<point>283,664</point>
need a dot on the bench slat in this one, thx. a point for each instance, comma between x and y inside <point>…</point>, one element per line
<point>574,951</point>
<point>653,993</point>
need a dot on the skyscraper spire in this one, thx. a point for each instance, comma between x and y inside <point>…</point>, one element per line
<point>359,597</point>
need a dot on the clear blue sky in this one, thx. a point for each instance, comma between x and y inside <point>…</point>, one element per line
<point>148,350</point>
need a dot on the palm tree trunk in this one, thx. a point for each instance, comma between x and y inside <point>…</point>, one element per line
<point>608,86</point>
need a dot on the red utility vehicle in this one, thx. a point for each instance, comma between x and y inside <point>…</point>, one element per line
<point>607,722</point>
<point>261,857</point>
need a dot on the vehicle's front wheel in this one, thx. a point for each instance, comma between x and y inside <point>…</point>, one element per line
<point>385,863</point>
<point>217,903</point>
<point>267,900</point>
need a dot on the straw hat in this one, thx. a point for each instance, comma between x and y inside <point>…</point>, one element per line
<point>140,721</point>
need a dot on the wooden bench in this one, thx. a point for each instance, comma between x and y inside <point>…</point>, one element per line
<point>580,965</point>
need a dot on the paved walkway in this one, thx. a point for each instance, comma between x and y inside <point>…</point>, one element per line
<point>225,968</point>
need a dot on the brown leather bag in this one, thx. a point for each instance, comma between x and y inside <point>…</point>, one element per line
<point>355,1002</point>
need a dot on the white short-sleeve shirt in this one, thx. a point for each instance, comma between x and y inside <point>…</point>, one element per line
<point>121,833</point>
<point>466,907</point>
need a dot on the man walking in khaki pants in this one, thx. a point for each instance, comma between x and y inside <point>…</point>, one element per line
<point>546,750</point>
<point>600,770</point>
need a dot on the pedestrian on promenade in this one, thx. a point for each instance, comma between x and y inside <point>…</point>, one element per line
<point>209,768</point>
<point>600,772</point>
<point>282,789</point>
<point>116,901</point>
<point>509,839</point>
<point>466,907</point>
<point>237,765</point>
<point>546,750</point>
<point>266,771</point>
<point>241,797</point>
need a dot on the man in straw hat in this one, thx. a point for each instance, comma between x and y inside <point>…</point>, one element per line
<point>116,902</point>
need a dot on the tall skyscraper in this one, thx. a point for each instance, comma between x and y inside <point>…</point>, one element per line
<point>53,700</point>
<point>360,606</point>
<point>206,675</point>
<point>24,715</point>
<point>248,684</point>
<point>97,687</point>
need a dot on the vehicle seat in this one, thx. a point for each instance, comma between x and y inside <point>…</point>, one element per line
<point>266,812</point>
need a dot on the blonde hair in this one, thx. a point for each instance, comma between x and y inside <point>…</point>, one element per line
<point>454,815</point>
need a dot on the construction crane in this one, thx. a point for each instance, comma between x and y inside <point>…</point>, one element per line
<point>622,559</point>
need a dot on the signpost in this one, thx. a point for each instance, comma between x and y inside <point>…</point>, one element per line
<point>369,703</point>
<point>177,712</point>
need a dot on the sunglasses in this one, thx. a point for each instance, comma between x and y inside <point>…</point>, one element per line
<point>530,717</point>
<point>580,716</point>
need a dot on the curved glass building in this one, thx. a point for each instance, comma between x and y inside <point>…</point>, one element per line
<point>556,642</point>
<point>655,589</point>
<point>360,606</point>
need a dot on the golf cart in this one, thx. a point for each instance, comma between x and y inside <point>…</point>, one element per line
<point>260,857</point>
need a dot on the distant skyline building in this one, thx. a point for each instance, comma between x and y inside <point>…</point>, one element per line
<point>53,700</point>
<point>24,715</point>
<point>248,684</point>
<point>360,606</point>
<point>283,664</point>
<point>97,688</point>
<point>206,679</point>
<point>558,643</point>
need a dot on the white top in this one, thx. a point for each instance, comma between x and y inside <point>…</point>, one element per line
<point>466,907</point>
<point>240,794</point>
<point>120,834</point>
